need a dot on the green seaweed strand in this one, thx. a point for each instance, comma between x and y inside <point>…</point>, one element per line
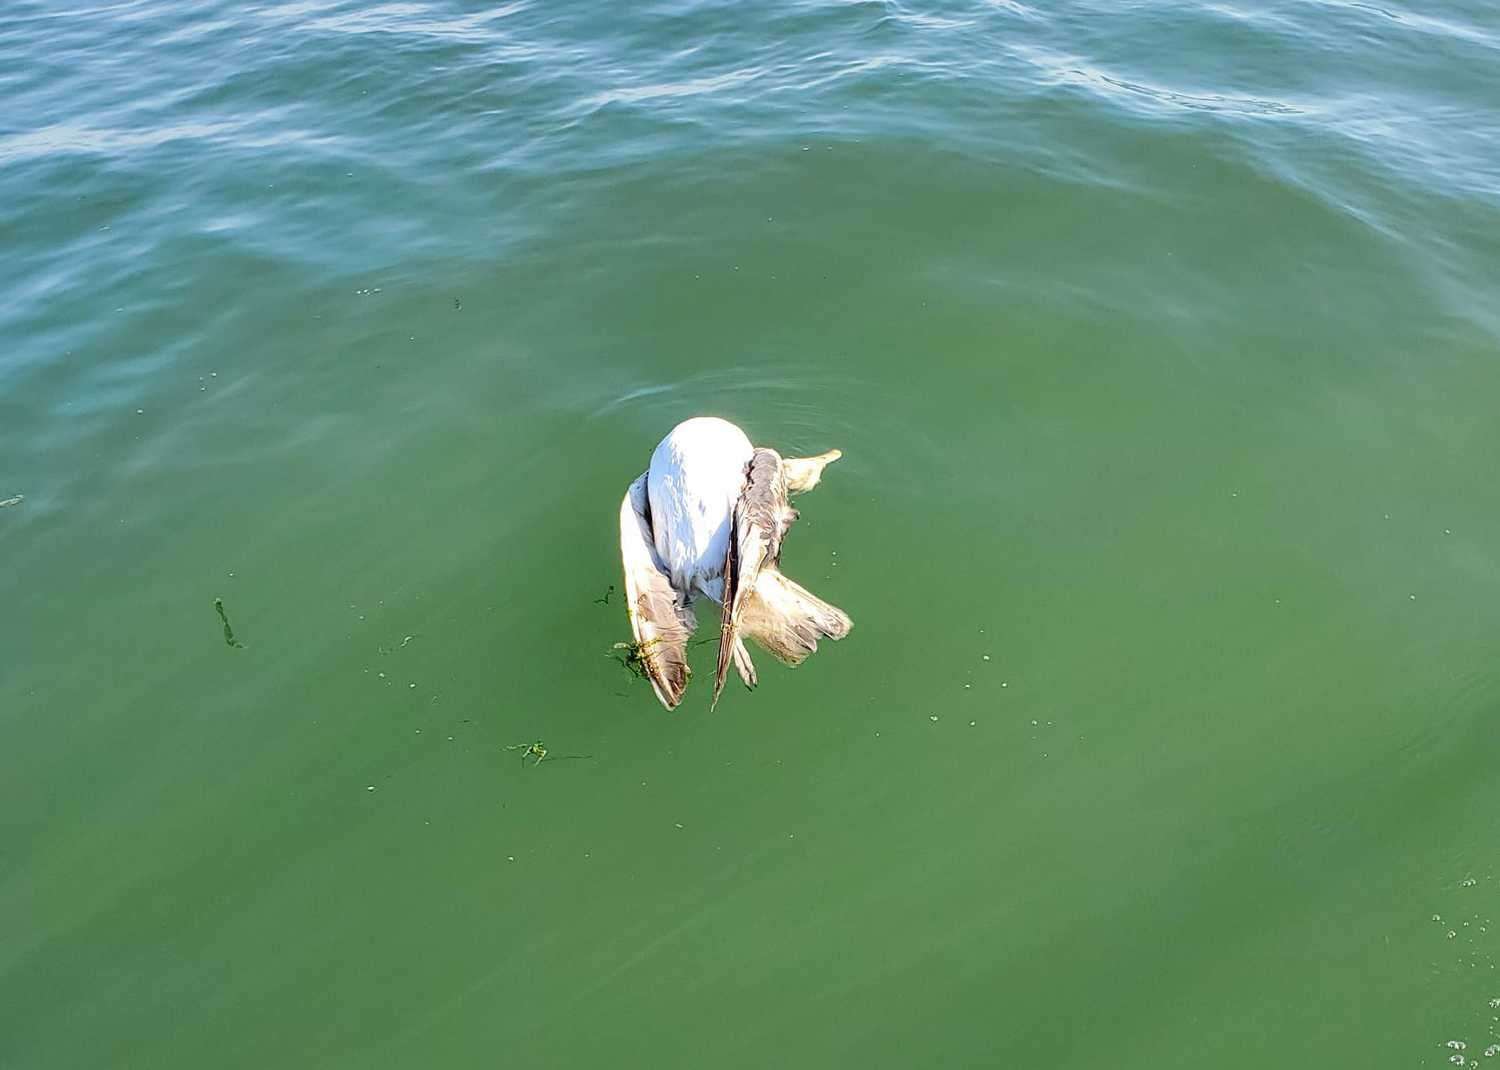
<point>229,639</point>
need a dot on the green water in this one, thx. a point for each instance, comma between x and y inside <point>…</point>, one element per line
<point>1161,343</point>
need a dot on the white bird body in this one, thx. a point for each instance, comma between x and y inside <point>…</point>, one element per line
<point>709,517</point>
<point>696,476</point>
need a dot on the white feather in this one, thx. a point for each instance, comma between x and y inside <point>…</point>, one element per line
<point>696,476</point>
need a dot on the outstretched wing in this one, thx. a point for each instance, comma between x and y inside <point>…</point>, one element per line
<point>788,620</point>
<point>660,618</point>
<point>761,519</point>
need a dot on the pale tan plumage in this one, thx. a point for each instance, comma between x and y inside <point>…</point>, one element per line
<point>661,618</point>
<point>716,529</point>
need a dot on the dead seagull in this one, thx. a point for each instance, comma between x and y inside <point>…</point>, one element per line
<point>708,518</point>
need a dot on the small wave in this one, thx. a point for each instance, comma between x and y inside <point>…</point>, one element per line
<point>703,388</point>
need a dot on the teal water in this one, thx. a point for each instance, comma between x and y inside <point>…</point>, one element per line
<point>1162,345</point>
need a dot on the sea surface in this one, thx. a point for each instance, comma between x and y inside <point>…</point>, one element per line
<point>1162,341</point>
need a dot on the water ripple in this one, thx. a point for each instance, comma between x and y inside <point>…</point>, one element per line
<point>319,141</point>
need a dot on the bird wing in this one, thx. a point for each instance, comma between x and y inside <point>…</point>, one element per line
<point>660,618</point>
<point>803,473</point>
<point>760,521</point>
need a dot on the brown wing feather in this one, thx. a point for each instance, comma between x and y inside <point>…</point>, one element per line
<point>760,522</point>
<point>788,620</point>
<point>660,618</point>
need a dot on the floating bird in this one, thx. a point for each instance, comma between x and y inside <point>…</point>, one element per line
<point>708,519</point>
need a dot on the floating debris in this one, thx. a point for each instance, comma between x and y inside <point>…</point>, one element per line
<point>17,500</point>
<point>632,656</point>
<point>229,639</point>
<point>605,600</point>
<point>538,750</point>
